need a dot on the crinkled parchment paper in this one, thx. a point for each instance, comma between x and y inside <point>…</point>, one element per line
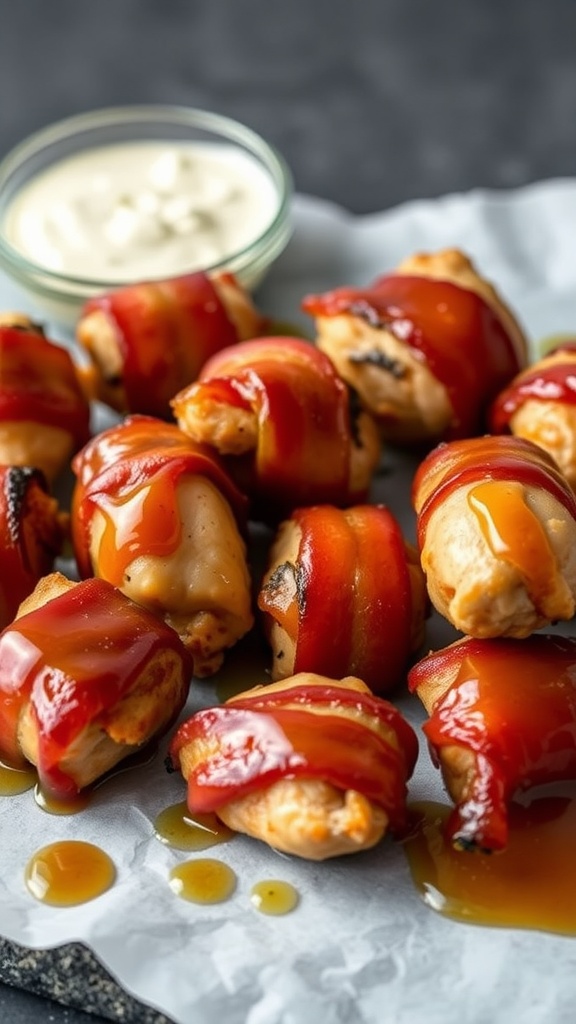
<point>361,946</point>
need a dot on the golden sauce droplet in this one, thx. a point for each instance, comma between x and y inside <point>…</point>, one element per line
<point>203,881</point>
<point>52,805</point>
<point>524,886</point>
<point>272,896</point>
<point>177,827</point>
<point>16,780</point>
<point>69,872</point>
<point>514,533</point>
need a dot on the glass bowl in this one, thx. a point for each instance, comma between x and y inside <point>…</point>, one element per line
<point>59,292</point>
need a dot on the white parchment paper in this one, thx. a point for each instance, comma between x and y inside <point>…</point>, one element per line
<point>361,946</point>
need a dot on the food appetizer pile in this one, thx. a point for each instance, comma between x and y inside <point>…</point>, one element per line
<point>218,426</point>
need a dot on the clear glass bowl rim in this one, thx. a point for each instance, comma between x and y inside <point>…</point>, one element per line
<point>52,282</point>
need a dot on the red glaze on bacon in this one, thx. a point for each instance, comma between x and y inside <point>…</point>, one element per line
<point>545,381</point>
<point>305,437</point>
<point>67,669</point>
<point>157,515</point>
<point>461,463</point>
<point>140,459</point>
<point>300,732</point>
<point>502,720</point>
<point>450,328</point>
<point>31,535</point>
<point>165,332</point>
<point>353,600</point>
<point>540,405</point>
<point>496,527</point>
<point>39,384</point>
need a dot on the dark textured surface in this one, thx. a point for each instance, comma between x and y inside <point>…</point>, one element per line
<point>372,103</point>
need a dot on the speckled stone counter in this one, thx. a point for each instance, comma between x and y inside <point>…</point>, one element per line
<point>372,104</point>
<point>69,975</point>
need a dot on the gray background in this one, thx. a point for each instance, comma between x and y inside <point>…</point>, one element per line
<point>372,102</point>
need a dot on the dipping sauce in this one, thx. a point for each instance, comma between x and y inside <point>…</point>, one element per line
<point>138,210</point>
<point>527,885</point>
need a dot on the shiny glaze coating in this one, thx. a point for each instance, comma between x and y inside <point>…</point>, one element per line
<point>511,706</point>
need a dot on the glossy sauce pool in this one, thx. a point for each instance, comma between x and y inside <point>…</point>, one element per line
<point>528,885</point>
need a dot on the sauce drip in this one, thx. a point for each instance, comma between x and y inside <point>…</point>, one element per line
<point>53,805</point>
<point>176,827</point>
<point>69,872</point>
<point>203,881</point>
<point>274,897</point>
<point>16,780</point>
<point>523,886</point>
<point>514,533</point>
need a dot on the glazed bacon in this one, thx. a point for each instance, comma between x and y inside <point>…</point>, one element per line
<point>343,594</point>
<point>540,405</point>
<point>502,720</point>
<point>426,347</point>
<point>147,341</point>
<point>44,414</point>
<point>86,678</point>
<point>157,516</point>
<point>32,532</point>
<point>496,524</point>
<point>314,766</point>
<point>276,409</point>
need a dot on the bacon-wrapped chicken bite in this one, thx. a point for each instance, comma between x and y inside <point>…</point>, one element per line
<point>343,594</point>
<point>44,413</point>
<point>86,678</point>
<point>32,532</point>
<point>502,720</point>
<point>147,341</point>
<point>426,347</point>
<point>497,536</point>
<point>313,766</point>
<point>540,405</point>
<point>284,420</point>
<point>155,514</point>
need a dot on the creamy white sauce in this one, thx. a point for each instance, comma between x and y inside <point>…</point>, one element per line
<point>132,211</point>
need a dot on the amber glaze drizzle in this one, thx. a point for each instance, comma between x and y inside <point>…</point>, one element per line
<point>176,827</point>
<point>525,886</point>
<point>68,873</point>
<point>514,533</point>
<point>16,780</point>
<point>203,881</point>
<point>274,897</point>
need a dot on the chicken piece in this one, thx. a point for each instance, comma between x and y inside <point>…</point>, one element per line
<point>285,423</point>
<point>32,533</point>
<point>343,594</point>
<point>147,341</point>
<point>497,536</point>
<point>87,678</point>
<point>44,414</point>
<point>426,347</point>
<point>315,767</point>
<point>155,515</point>
<point>540,405</point>
<point>502,719</point>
